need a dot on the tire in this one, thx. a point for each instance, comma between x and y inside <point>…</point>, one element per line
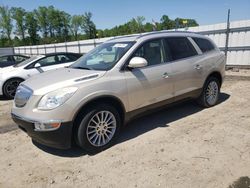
<point>96,131</point>
<point>210,93</point>
<point>10,86</point>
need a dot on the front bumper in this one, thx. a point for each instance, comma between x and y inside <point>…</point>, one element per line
<point>60,138</point>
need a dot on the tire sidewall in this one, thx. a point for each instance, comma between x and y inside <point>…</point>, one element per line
<point>81,135</point>
<point>211,79</point>
<point>5,93</point>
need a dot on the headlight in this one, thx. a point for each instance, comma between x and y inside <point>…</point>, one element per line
<point>56,98</point>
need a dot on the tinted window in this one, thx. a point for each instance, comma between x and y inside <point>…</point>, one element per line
<point>47,61</point>
<point>5,59</point>
<point>63,58</point>
<point>180,47</point>
<point>152,51</point>
<point>204,44</point>
<point>73,57</point>
<point>19,59</point>
<point>27,61</point>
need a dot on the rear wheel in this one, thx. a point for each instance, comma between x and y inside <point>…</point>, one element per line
<point>98,128</point>
<point>210,94</point>
<point>10,86</point>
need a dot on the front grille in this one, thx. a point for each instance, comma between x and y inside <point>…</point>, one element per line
<point>23,93</point>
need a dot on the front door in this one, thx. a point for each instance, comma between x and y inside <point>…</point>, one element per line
<point>151,84</point>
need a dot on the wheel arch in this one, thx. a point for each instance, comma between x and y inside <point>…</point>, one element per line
<point>106,99</point>
<point>215,74</point>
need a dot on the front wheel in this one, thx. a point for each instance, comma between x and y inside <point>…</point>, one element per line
<point>210,94</point>
<point>98,128</point>
<point>10,86</point>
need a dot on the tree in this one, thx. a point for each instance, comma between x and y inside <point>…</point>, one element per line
<point>180,23</point>
<point>6,22</point>
<point>88,25</point>
<point>136,24</point>
<point>65,19</point>
<point>166,23</point>
<point>31,24</point>
<point>51,13</point>
<point>49,25</point>
<point>42,18</point>
<point>139,21</point>
<point>18,14</point>
<point>75,25</point>
<point>148,27</point>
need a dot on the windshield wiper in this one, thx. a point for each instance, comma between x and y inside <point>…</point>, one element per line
<point>85,68</point>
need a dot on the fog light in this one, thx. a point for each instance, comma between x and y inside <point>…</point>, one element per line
<point>47,126</point>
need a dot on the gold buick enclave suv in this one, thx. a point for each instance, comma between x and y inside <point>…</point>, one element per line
<point>88,102</point>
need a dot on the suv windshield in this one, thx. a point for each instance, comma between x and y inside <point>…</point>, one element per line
<point>25,62</point>
<point>104,57</point>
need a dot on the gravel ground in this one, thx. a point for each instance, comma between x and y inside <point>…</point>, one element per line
<point>182,146</point>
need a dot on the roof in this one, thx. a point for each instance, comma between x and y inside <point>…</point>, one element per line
<point>61,53</point>
<point>163,33</point>
<point>13,55</point>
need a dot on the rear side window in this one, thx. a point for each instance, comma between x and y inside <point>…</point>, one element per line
<point>180,47</point>
<point>204,44</point>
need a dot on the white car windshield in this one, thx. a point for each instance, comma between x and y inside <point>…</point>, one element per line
<point>26,61</point>
<point>104,57</point>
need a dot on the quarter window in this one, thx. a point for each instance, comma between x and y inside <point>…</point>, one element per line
<point>19,59</point>
<point>152,51</point>
<point>180,47</point>
<point>204,44</point>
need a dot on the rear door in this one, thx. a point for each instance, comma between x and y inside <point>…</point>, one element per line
<point>150,84</point>
<point>187,70</point>
<point>58,61</point>
<point>47,63</point>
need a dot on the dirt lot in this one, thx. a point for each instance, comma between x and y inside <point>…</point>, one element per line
<point>183,146</point>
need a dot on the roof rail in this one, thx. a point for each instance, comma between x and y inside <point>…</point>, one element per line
<point>139,35</point>
<point>165,31</point>
<point>125,36</point>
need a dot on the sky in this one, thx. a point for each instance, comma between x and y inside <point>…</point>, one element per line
<point>109,13</point>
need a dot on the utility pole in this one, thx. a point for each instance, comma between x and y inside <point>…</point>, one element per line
<point>227,32</point>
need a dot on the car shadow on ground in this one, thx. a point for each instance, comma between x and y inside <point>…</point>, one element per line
<point>141,125</point>
<point>3,98</point>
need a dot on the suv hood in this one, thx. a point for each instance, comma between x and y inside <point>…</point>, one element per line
<point>55,79</point>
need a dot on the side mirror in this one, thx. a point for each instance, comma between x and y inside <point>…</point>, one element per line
<point>37,65</point>
<point>137,62</point>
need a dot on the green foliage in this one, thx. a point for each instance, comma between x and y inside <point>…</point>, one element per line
<point>179,22</point>
<point>18,14</point>
<point>88,25</point>
<point>32,27</point>
<point>75,25</point>
<point>6,22</point>
<point>43,21</point>
<point>47,25</point>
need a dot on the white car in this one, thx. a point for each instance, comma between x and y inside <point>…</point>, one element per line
<point>11,77</point>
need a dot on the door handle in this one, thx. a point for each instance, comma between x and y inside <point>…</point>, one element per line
<point>165,75</point>
<point>197,67</point>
